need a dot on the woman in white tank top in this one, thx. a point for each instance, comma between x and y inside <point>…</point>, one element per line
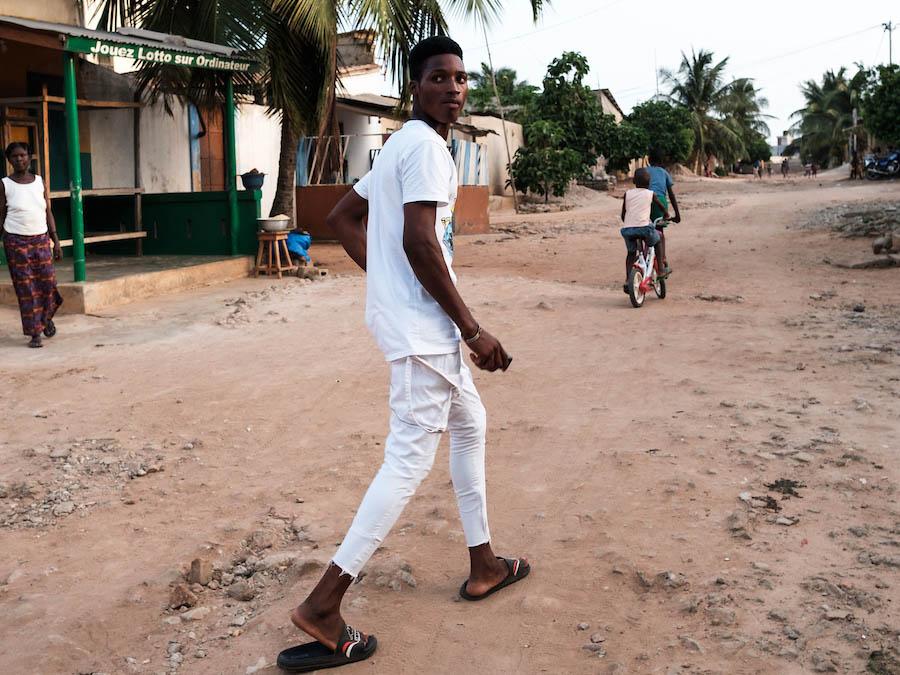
<point>31,244</point>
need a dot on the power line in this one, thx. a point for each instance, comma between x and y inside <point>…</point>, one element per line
<point>807,48</point>
<point>542,29</point>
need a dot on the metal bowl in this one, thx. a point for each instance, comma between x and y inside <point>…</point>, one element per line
<point>275,224</point>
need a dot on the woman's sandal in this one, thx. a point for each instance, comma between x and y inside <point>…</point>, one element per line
<point>518,570</point>
<point>50,329</point>
<point>311,656</point>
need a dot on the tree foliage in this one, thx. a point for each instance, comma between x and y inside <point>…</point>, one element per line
<point>668,128</point>
<point>725,116</point>
<point>621,142</point>
<point>571,105</point>
<point>881,104</point>
<point>822,123</point>
<point>560,130</point>
<point>545,165</point>
<point>516,96</point>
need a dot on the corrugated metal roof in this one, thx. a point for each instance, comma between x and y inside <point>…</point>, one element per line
<point>133,36</point>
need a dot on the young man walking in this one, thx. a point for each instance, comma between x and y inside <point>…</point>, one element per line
<point>418,319</point>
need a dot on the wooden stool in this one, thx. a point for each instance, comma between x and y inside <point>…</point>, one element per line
<point>273,245</point>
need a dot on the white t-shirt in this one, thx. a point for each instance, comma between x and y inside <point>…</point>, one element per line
<point>413,166</point>
<point>638,202</point>
<point>26,207</point>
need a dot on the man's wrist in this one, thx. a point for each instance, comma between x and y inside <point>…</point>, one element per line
<point>470,331</point>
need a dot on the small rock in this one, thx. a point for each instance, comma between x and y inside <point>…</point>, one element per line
<point>783,520</point>
<point>720,616</point>
<point>597,638</point>
<point>199,654</point>
<point>172,620</point>
<point>583,626</point>
<point>746,497</point>
<point>63,509</point>
<point>241,590</point>
<point>182,596</point>
<point>276,560</point>
<point>239,620</point>
<point>690,644</point>
<point>738,523</point>
<point>837,615</point>
<point>60,453</point>
<point>859,307</point>
<point>259,665</point>
<point>592,647</point>
<point>242,571</point>
<point>173,648</point>
<point>175,659</point>
<point>227,578</point>
<point>544,305</point>
<point>761,567</point>
<point>791,633</point>
<point>804,457</point>
<point>196,614</point>
<point>260,539</point>
<point>857,531</point>
<point>788,653</point>
<point>201,572</point>
<point>777,615</point>
<point>821,662</point>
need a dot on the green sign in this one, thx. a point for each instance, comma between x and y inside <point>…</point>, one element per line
<point>163,56</point>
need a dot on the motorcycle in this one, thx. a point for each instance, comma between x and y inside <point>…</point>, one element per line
<point>887,166</point>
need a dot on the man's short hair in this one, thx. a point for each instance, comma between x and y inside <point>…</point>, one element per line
<point>424,50</point>
<point>656,156</point>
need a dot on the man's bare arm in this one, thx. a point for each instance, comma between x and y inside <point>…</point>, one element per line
<point>347,221</point>
<point>424,253</point>
<point>623,209</point>
<point>674,204</point>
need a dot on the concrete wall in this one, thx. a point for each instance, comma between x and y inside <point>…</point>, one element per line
<point>165,149</point>
<point>365,134</point>
<point>258,146</point>
<point>112,147</point>
<point>59,11</point>
<point>498,172</point>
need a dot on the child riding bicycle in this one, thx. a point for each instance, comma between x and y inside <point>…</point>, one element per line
<point>636,207</point>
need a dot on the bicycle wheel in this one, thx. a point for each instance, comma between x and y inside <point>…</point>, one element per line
<point>635,278</point>
<point>659,287</point>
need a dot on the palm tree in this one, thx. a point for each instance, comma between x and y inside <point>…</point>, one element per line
<point>828,112</point>
<point>743,105</point>
<point>699,86</point>
<point>296,41</point>
<point>516,94</point>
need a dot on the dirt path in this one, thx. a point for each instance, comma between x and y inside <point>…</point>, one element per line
<point>629,453</point>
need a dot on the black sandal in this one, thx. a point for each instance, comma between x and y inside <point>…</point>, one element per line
<point>311,656</point>
<point>518,570</point>
<point>50,329</point>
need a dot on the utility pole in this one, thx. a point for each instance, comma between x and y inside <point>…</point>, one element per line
<point>512,177</point>
<point>889,27</point>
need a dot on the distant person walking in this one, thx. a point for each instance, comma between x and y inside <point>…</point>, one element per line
<point>785,167</point>
<point>854,166</point>
<point>31,244</point>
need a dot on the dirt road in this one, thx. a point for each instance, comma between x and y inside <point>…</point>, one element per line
<point>629,455</point>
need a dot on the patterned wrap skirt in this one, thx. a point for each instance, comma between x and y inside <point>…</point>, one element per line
<point>30,261</point>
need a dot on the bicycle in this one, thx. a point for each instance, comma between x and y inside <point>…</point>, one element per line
<point>644,274</point>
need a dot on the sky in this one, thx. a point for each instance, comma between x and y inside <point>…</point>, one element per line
<point>778,43</point>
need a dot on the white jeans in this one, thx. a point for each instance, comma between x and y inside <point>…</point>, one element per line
<point>429,395</point>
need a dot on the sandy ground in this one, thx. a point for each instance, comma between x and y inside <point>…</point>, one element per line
<point>628,457</point>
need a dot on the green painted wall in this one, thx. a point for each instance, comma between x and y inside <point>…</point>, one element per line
<point>196,223</point>
<point>183,223</point>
